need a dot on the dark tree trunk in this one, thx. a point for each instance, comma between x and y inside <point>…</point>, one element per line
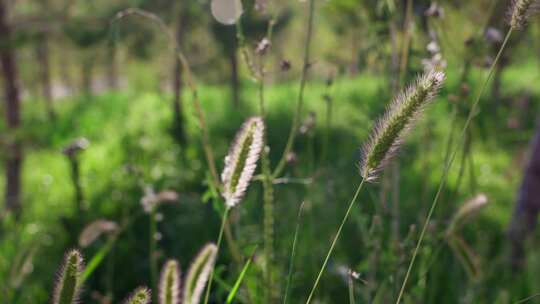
<point>178,123</point>
<point>235,81</point>
<point>14,153</point>
<point>76,179</point>
<point>528,205</point>
<point>42,53</point>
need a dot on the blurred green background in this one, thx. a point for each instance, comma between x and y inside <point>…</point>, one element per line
<point>81,73</point>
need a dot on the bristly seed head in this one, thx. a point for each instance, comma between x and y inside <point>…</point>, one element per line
<point>169,283</point>
<point>388,132</point>
<point>141,295</point>
<point>241,161</point>
<point>198,274</point>
<point>69,277</point>
<point>520,11</point>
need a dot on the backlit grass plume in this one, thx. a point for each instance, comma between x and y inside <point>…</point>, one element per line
<point>69,276</point>
<point>198,274</point>
<point>388,132</point>
<point>241,161</point>
<point>468,211</point>
<point>520,11</point>
<point>169,283</point>
<point>141,295</point>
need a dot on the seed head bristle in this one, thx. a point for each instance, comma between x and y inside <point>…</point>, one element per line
<point>520,11</point>
<point>198,274</point>
<point>388,132</point>
<point>241,161</point>
<point>169,283</point>
<point>141,295</point>
<point>68,285</point>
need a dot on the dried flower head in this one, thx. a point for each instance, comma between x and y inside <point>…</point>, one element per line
<point>467,211</point>
<point>141,295</point>
<point>198,274</point>
<point>94,230</point>
<point>388,132</point>
<point>241,161</point>
<point>520,11</point>
<point>152,200</point>
<point>263,46</point>
<point>169,283</point>
<point>68,285</point>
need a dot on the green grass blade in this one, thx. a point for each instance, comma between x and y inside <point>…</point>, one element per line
<point>236,287</point>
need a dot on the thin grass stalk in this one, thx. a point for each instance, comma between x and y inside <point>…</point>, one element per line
<point>447,166</point>
<point>218,246</point>
<point>189,80</point>
<point>268,229</point>
<point>350,287</point>
<point>300,101</point>
<point>293,253</point>
<point>334,241</point>
<point>152,249</point>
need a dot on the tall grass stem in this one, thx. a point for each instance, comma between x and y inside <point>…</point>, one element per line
<point>218,246</point>
<point>334,241</point>
<point>300,101</point>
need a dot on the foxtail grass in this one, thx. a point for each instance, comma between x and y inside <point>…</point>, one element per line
<point>68,287</point>
<point>199,273</point>
<point>241,161</point>
<point>141,295</point>
<point>169,283</point>
<point>240,164</point>
<point>386,137</point>
<point>519,12</point>
<point>385,140</point>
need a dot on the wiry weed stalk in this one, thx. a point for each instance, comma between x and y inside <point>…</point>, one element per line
<point>189,80</point>
<point>300,101</point>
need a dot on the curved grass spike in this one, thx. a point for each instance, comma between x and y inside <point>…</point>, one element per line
<point>198,274</point>
<point>68,286</point>
<point>241,161</point>
<point>169,283</point>
<point>388,132</point>
<point>384,141</point>
<point>520,11</point>
<point>141,295</point>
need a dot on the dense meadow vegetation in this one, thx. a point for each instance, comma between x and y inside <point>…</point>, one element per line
<point>117,175</point>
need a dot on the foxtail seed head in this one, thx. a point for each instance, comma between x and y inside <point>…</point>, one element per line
<point>467,211</point>
<point>67,287</point>
<point>388,132</point>
<point>141,295</point>
<point>169,283</point>
<point>94,230</point>
<point>241,161</point>
<point>520,11</point>
<point>198,274</point>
